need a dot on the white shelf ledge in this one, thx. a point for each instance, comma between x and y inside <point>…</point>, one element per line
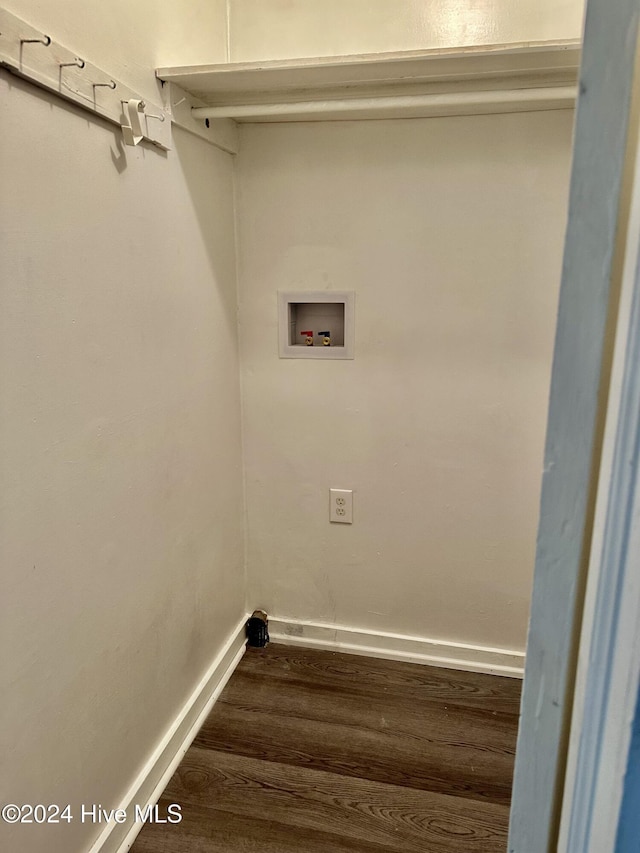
<point>502,78</point>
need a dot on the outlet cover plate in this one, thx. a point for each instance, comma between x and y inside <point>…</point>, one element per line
<point>341,506</point>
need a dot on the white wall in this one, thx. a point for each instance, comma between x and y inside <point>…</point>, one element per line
<point>450,231</point>
<point>121,514</point>
<point>279,29</point>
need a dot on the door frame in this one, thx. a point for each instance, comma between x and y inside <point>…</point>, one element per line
<point>580,385</point>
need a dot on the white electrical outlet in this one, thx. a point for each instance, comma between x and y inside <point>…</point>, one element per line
<point>341,506</point>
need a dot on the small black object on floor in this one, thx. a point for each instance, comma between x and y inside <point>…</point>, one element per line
<point>258,629</point>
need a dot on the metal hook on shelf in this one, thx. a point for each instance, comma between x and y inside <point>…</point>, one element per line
<point>110,85</point>
<point>143,107</point>
<point>77,63</point>
<point>46,41</point>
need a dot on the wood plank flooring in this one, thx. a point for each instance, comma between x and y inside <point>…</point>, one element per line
<point>310,751</point>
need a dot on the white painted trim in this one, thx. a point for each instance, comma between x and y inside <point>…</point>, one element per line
<point>546,63</point>
<point>381,644</point>
<point>158,769</point>
<point>607,679</point>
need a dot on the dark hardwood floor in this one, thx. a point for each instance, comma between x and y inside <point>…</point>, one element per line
<point>316,752</point>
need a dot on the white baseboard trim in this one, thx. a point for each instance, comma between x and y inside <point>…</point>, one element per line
<point>154,776</point>
<point>380,644</point>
